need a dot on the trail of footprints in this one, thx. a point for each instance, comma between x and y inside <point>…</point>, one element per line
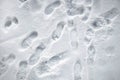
<point>46,42</point>
<point>43,44</point>
<point>73,34</point>
<point>36,6</point>
<point>104,19</point>
<point>48,67</point>
<point>102,22</point>
<point>82,8</point>
<point>41,69</point>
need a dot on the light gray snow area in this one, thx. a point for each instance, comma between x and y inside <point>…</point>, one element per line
<point>59,39</point>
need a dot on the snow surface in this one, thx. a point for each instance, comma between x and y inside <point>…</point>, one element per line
<point>59,40</point>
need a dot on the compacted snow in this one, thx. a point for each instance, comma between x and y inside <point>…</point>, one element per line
<point>59,40</point>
